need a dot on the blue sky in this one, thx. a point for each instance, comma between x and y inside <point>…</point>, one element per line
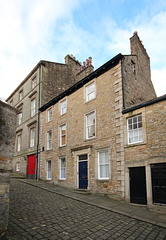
<point>34,30</point>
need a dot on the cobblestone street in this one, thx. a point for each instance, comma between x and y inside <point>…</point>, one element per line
<point>39,214</point>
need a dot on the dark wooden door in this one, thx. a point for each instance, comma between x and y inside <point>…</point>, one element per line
<point>138,185</point>
<point>83,175</point>
<point>159,183</point>
<point>31,166</point>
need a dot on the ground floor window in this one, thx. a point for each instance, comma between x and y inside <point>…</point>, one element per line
<point>17,166</point>
<point>103,165</point>
<point>49,170</point>
<point>62,168</point>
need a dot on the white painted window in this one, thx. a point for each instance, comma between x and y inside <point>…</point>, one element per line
<point>20,118</point>
<point>63,107</point>
<point>34,82</point>
<point>62,169</point>
<point>90,92</point>
<point>20,95</point>
<point>32,137</point>
<point>49,140</point>
<point>33,107</point>
<point>63,135</point>
<point>103,165</point>
<point>134,129</point>
<point>19,143</point>
<point>49,170</point>
<point>90,125</point>
<point>49,115</point>
<point>17,166</point>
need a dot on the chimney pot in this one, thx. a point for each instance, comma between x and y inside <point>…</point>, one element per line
<point>90,60</point>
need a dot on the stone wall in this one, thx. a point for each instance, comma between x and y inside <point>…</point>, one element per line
<point>152,150</point>
<point>7,137</point>
<point>138,86</point>
<point>109,135</point>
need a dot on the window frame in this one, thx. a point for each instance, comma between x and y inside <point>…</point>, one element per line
<point>104,164</point>
<point>134,130</point>
<point>62,108</point>
<point>19,142</point>
<point>33,108</point>
<point>20,95</point>
<point>87,126</point>
<point>34,82</point>
<point>32,137</point>
<point>20,118</point>
<point>17,166</point>
<point>49,140</point>
<point>49,178</point>
<point>62,135</point>
<point>87,94</point>
<point>60,168</point>
<point>48,115</point>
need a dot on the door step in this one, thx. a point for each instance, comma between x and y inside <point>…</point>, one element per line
<point>82,191</point>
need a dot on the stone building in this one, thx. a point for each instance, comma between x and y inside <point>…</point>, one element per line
<point>44,82</point>
<point>8,116</point>
<point>82,131</point>
<point>145,152</point>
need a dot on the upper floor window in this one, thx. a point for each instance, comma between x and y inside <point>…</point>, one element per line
<point>11,102</point>
<point>90,92</point>
<point>49,140</point>
<point>19,143</point>
<point>134,129</point>
<point>20,95</point>
<point>34,82</point>
<point>32,137</point>
<point>20,118</point>
<point>103,165</point>
<point>49,115</point>
<point>90,125</point>
<point>33,107</point>
<point>63,107</point>
<point>63,135</point>
<point>62,168</point>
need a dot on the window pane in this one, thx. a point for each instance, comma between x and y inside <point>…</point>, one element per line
<point>90,92</point>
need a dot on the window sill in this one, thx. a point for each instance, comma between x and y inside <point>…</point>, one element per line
<point>135,144</point>
<point>89,100</point>
<point>62,146</point>
<point>103,180</point>
<point>89,139</point>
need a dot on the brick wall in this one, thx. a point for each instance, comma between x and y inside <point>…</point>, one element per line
<point>7,137</point>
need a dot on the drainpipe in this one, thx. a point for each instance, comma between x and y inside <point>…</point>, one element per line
<point>38,131</point>
<point>123,92</point>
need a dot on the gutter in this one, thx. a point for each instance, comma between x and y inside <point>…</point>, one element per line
<point>122,71</point>
<point>144,104</point>
<point>38,130</point>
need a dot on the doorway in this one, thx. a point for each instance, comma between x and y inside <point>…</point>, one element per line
<point>83,171</point>
<point>159,183</point>
<point>138,185</point>
<point>31,166</point>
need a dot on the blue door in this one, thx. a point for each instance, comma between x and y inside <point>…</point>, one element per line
<point>83,176</point>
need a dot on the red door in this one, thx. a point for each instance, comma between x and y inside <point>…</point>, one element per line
<point>31,166</point>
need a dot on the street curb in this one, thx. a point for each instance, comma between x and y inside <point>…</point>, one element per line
<point>97,205</point>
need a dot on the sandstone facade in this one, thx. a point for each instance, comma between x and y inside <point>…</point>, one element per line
<point>43,83</point>
<point>116,84</point>
<point>150,153</point>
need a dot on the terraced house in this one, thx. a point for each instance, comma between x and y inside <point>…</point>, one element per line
<point>82,139</point>
<point>45,81</point>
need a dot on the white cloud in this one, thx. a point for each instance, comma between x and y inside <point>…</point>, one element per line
<point>26,28</point>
